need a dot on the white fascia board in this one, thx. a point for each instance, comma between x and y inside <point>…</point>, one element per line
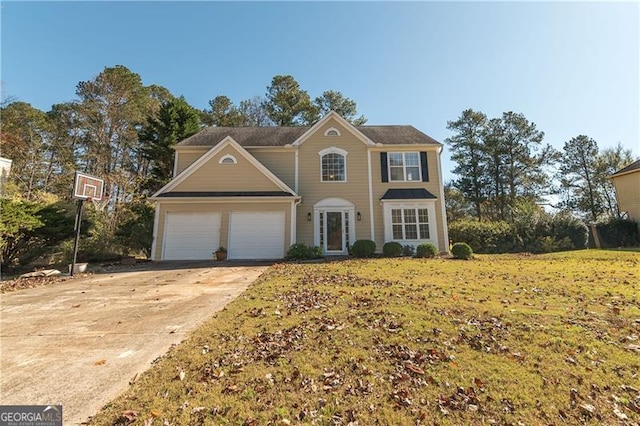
<point>178,200</point>
<point>406,147</point>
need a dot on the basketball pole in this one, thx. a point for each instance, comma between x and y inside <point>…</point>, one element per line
<point>77,240</point>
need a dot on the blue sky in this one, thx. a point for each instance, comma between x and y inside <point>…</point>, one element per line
<point>572,68</point>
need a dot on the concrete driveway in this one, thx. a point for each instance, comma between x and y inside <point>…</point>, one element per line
<point>79,342</point>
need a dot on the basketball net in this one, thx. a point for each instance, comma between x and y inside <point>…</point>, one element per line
<point>99,205</point>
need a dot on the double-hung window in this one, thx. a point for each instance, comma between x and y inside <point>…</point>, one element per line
<point>404,166</point>
<point>333,165</point>
<point>410,223</point>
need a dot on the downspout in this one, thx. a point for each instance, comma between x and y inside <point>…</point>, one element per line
<point>294,220</point>
<point>371,215</point>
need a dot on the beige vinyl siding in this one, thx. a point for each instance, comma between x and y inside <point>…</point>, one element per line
<point>433,186</point>
<point>279,162</point>
<point>187,158</point>
<point>312,190</point>
<point>224,209</point>
<point>628,193</point>
<point>213,176</point>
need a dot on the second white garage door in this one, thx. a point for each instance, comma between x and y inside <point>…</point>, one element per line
<point>256,235</point>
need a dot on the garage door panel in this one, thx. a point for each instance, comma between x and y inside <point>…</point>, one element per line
<point>191,236</point>
<point>256,235</point>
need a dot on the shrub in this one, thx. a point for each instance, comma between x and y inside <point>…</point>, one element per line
<point>426,250</point>
<point>619,233</point>
<point>564,226</point>
<point>484,237</point>
<point>302,251</point>
<point>461,251</point>
<point>363,248</point>
<point>392,249</point>
<point>408,250</point>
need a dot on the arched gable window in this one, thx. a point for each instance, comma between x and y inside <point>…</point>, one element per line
<point>333,165</point>
<point>332,131</point>
<point>228,159</point>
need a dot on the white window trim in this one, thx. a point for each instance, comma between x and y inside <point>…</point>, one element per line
<point>334,150</point>
<point>332,129</point>
<point>430,205</point>
<point>227,157</point>
<point>404,167</point>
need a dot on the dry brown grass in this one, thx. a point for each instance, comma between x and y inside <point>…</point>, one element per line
<point>504,339</point>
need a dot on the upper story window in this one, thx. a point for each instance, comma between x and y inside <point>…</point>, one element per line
<point>333,165</point>
<point>404,166</point>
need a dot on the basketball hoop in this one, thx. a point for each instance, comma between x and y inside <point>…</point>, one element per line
<point>85,188</point>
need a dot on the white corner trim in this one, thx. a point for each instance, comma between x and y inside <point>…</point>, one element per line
<point>371,213</point>
<point>295,178</point>
<point>227,141</point>
<point>332,132</point>
<point>228,157</point>
<point>332,114</point>
<point>445,226</point>
<point>293,222</point>
<point>156,220</point>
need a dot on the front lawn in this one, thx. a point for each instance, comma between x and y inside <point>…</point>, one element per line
<point>501,339</point>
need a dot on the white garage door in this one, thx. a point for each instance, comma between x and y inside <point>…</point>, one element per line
<point>191,236</point>
<point>256,235</point>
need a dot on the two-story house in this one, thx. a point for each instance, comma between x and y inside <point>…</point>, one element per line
<point>257,190</point>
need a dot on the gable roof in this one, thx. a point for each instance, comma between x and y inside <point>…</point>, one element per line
<point>635,166</point>
<point>281,136</point>
<point>227,141</point>
<point>341,121</point>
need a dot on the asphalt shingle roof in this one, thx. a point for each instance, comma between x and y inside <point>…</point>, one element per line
<point>407,194</point>
<point>280,136</point>
<point>630,168</point>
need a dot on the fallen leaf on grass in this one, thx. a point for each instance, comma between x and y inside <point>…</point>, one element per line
<point>130,415</point>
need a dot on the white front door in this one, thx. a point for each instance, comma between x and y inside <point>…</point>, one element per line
<point>334,232</point>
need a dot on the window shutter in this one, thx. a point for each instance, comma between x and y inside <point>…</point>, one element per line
<point>384,170</point>
<point>424,166</point>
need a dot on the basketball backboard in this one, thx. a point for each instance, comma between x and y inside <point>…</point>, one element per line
<point>87,187</point>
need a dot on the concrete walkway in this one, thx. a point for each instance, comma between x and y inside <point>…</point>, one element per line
<point>78,343</point>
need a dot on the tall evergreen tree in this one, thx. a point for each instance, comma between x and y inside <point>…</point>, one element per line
<point>111,109</point>
<point>176,120</point>
<point>331,100</point>
<point>467,150</point>
<point>286,103</point>
<point>577,176</point>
